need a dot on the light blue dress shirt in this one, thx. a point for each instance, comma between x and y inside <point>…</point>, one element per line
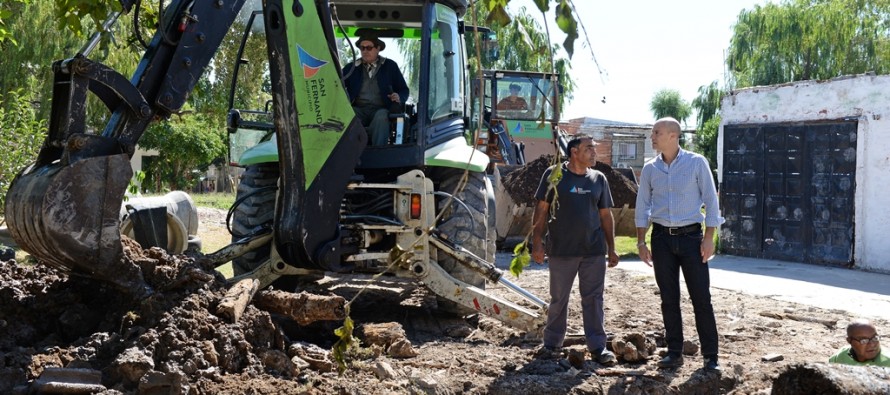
<point>673,195</point>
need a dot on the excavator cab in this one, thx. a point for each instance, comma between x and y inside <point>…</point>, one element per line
<point>521,108</point>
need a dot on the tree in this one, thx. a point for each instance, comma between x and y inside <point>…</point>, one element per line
<point>21,132</point>
<point>707,104</point>
<point>186,144</point>
<point>705,140</point>
<point>809,39</point>
<point>530,50</point>
<point>668,103</point>
<point>71,13</point>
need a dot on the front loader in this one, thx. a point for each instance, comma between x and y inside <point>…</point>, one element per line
<point>314,196</point>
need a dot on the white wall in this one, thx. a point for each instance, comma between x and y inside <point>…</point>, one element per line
<point>863,98</point>
<point>136,160</point>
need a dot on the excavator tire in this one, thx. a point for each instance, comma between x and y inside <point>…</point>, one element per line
<point>255,211</point>
<point>470,228</point>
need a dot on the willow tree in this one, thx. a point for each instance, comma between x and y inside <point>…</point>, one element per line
<point>707,104</point>
<point>809,39</point>
<point>707,107</point>
<point>669,103</point>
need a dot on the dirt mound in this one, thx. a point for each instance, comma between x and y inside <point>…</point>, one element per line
<point>624,190</point>
<point>521,183</point>
<point>166,343</point>
<point>53,324</point>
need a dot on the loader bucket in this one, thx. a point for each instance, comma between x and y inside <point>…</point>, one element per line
<point>67,216</point>
<point>513,220</point>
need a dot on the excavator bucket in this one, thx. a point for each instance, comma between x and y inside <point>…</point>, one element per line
<point>67,216</point>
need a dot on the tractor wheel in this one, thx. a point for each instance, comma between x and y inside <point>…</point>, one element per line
<point>469,228</point>
<point>259,181</point>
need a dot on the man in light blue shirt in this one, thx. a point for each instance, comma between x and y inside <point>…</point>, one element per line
<point>673,187</point>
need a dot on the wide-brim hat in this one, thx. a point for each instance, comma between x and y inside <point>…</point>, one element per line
<point>372,38</point>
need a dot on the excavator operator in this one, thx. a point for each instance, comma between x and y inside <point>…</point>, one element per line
<point>375,84</point>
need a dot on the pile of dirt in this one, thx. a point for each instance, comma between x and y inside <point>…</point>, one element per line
<point>521,183</point>
<point>624,190</point>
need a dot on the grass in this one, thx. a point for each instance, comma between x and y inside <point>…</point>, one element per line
<point>626,247</point>
<point>217,200</point>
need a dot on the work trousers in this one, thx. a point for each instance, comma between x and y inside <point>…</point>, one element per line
<point>672,254</point>
<point>591,273</point>
<point>376,120</point>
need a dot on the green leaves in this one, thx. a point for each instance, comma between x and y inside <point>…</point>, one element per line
<point>5,34</point>
<point>669,103</point>
<point>521,258</point>
<point>344,342</point>
<point>565,19</point>
<point>555,175</point>
<point>21,132</point>
<point>809,40</point>
<point>497,13</point>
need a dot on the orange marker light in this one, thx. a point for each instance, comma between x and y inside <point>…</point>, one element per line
<point>415,205</point>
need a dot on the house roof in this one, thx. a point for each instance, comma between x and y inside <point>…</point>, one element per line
<point>588,121</point>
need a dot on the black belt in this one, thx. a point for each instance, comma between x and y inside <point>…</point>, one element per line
<point>677,230</point>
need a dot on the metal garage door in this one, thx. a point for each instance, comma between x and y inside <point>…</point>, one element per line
<point>787,191</point>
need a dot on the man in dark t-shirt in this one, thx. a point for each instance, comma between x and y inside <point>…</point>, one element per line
<point>580,233</point>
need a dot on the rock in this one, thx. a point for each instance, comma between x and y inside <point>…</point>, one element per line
<point>316,357</point>
<point>276,360</point>
<point>772,357</point>
<point>155,382</point>
<point>576,358</point>
<point>458,331</point>
<point>210,353</point>
<point>384,370</point>
<point>299,363</point>
<point>383,334</point>
<point>68,381</point>
<point>633,347</point>
<point>631,354</point>
<point>132,364</point>
<point>390,336</point>
<point>689,347</point>
<point>424,380</point>
<point>427,382</point>
<point>819,378</point>
<point>402,349</point>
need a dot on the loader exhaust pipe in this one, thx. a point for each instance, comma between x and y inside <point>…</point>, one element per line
<point>67,216</point>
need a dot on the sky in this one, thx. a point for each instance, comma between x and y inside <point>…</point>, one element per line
<point>643,47</point>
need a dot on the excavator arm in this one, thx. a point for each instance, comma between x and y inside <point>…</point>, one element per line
<point>64,208</point>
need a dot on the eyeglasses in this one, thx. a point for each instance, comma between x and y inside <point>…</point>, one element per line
<point>866,340</point>
<point>366,47</point>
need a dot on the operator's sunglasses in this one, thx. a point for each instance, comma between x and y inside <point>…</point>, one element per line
<point>866,340</point>
<point>366,47</point>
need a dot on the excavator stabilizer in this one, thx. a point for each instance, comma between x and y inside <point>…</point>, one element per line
<point>68,216</point>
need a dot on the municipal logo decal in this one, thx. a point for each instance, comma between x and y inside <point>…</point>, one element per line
<point>310,63</point>
<point>580,191</point>
<point>518,129</point>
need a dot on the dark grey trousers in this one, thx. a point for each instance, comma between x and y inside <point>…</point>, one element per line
<point>591,273</point>
<point>377,121</point>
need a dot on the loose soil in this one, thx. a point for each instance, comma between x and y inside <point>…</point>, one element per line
<point>175,342</point>
<point>521,182</point>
